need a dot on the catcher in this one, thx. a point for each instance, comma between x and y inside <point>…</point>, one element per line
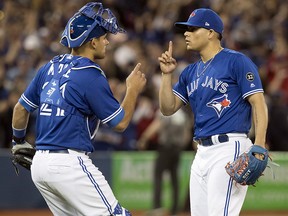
<point>73,97</point>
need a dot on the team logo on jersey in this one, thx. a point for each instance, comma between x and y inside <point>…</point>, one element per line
<point>50,91</point>
<point>250,76</point>
<point>219,104</point>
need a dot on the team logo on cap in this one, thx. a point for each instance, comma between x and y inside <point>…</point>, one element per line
<point>192,14</point>
<point>219,104</point>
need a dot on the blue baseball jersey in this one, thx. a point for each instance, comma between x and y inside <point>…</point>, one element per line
<point>217,92</point>
<point>73,96</point>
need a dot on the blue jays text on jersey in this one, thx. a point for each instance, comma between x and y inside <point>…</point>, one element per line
<point>209,82</point>
<point>217,92</point>
<point>73,96</point>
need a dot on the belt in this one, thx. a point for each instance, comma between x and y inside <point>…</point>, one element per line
<point>65,151</point>
<point>215,139</point>
<point>208,141</point>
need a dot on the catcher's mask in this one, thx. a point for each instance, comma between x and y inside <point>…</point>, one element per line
<point>91,21</point>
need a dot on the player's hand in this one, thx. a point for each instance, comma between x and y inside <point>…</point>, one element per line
<point>136,80</point>
<point>259,156</point>
<point>167,62</point>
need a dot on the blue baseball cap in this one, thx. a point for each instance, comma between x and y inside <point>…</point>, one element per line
<point>203,18</point>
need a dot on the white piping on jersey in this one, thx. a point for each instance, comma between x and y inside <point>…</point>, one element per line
<point>180,96</point>
<point>112,116</point>
<point>29,102</point>
<point>96,129</point>
<point>252,92</point>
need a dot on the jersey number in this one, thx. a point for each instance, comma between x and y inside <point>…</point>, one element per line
<point>45,110</point>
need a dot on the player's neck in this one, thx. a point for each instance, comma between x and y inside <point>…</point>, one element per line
<point>210,53</point>
<point>83,53</point>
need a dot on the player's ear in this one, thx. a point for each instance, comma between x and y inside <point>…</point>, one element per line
<point>93,43</point>
<point>211,33</point>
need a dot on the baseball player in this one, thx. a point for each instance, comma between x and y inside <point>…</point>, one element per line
<point>224,90</point>
<point>73,97</point>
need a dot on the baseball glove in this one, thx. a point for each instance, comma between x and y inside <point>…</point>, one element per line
<point>249,166</point>
<point>22,154</point>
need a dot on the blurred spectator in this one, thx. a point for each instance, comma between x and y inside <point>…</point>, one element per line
<point>174,133</point>
<point>20,75</point>
<point>277,133</point>
<point>277,66</point>
<point>5,121</point>
<point>169,135</point>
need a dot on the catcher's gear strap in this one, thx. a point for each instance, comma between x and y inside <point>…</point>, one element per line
<point>52,92</point>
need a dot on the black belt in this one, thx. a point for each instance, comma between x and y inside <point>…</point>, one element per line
<point>207,141</point>
<point>63,151</point>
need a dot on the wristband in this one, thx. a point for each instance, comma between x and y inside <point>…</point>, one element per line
<point>19,135</point>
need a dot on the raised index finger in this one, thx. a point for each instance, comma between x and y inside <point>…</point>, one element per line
<point>170,48</point>
<point>137,67</point>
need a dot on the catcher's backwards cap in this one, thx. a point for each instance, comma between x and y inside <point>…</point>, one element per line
<point>204,18</point>
<point>91,21</point>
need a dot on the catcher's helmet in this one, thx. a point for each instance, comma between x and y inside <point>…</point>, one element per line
<point>91,21</point>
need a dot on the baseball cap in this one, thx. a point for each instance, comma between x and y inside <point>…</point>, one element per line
<point>91,21</point>
<point>204,18</point>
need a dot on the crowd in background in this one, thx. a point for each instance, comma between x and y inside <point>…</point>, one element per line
<point>30,31</point>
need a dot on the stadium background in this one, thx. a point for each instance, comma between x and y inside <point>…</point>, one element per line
<point>29,36</point>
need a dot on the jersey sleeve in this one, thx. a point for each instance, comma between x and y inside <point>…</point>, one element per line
<point>103,103</point>
<point>179,89</point>
<point>247,76</point>
<point>30,99</point>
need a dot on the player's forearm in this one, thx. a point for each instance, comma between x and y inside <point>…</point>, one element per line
<point>166,97</point>
<point>128,104</point>
<point>260,119</point>
<point>20,117</point>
